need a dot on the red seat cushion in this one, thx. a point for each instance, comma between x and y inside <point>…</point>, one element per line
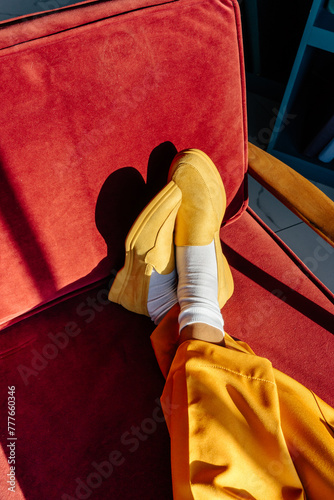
<point>87,400</point>
<point>96,89</point>
<point>87,382</point>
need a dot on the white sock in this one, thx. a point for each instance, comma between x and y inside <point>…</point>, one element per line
<point>197,289</point>
<point>162,294</point>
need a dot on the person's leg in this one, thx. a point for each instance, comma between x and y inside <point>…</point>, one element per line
<point>223,406</point>
<point>225,410</point>
<point>238,427</point>
<point>205,281</point>
<point>222,410</point>
<point>202,331</point>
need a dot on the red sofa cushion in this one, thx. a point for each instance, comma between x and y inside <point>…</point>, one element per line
<point>92,89</point>
<point>87,382</point>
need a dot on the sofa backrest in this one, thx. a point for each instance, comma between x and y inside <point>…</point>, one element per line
<point>95,101</point>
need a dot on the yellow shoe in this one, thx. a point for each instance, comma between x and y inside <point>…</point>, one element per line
<point>149,245</point>
<point>202,210</point>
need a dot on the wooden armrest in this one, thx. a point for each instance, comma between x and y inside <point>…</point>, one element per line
<point>297,193</point>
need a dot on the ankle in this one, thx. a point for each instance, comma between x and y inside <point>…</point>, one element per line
<point>204,332</point>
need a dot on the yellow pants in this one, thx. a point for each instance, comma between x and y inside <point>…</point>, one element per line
<point>240,428</point>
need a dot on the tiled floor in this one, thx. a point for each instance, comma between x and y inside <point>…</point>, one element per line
<point>316,254</point>
<point>310,248</point>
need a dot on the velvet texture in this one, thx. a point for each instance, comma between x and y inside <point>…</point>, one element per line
<point>88,383</point>
<point>88,417</point>
<point>95,101</point>
<point>87,91</point>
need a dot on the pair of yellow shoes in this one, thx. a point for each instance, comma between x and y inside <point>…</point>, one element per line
<point>188,211</point>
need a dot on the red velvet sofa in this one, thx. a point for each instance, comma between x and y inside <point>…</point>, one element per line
<point>95,101</point>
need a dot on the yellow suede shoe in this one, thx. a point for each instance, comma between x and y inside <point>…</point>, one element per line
<point>149,245</point>
<point>202,210</point>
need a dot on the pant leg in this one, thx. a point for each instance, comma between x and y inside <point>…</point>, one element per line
<point>238,427</point>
